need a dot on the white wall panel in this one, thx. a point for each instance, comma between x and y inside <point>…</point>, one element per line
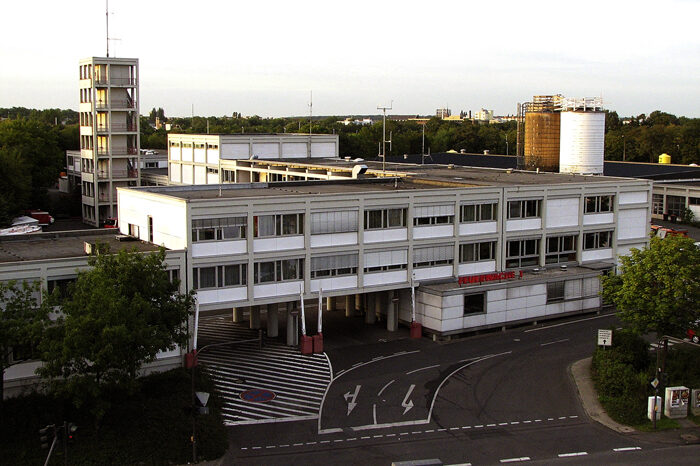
<point>281,243</point>
<point>562,212</point>
<point>598,219</point>
<point>294,150</point>
<point>477,228</point>
<point>393,234</point>
<point>524,224</point>
<point>632,223</point>
<point>212,178</point>
<point>276,289</point>
<point>187,175</point>
<point>235,151</point>
<point>333,239</point>
<point>323,149</point>
<point>334,283</point>
<point>200,156</point>
<point>476,267</point>
<point>430,273</point>
<point>174,153</point>
<point>433,231</point>
<point>267,150</point>
<point>219,248</point>
<point>596,255</point>
<point>200,174</point>
<point>187,154</point>
<point>175,172</point>
<point>633,198</point>
<point>169,218</point>
<point>213,156</point>
<point>222,295</point>
<point>382,278</point>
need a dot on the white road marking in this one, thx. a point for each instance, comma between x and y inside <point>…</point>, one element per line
<point>567,323</point>
<point>422,369</point>
<point>429,430</point>
<point>298,444</point>
<point>406,403</point>
<point>325,441</point>
<point>391,435</point>
<point>350,398</point>
<point>385,386</point>
<point>311,443</point>
<point>553,342</point>
<point>578,453</point>
<point>374,413</point>
<point>627,449</point>
<point>515,460</point>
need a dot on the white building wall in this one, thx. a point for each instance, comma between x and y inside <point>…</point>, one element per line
<point>632,223</point>
<point>392,234</point>
<point>598,219</point>
<point>169,217</point>
<point>219,248</point>
<point>562,212</point>
<point>477,228</point>
<point>524,224</point>
<point>638,197</point>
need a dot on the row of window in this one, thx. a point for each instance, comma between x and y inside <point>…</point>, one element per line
<point>376,219</point>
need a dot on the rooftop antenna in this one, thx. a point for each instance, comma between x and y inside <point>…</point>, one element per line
<point>384,109</point>
<point>311,106</point>
<point>107,20</point>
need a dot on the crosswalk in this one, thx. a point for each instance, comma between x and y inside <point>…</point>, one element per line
<point>298,382</point>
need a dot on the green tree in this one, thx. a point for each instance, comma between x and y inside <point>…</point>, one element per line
<point>658,289</point>
<point>119,315</point>
<point>23,317</point>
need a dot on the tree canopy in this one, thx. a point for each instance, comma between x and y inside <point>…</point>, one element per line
<point>117,317</point>
<point>658,289</point>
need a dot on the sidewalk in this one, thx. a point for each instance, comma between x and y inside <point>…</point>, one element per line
<point>688,433</point>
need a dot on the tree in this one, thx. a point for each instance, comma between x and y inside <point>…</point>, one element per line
<point>23,317</point>
<point>658,289</point>
<point>118,316</point>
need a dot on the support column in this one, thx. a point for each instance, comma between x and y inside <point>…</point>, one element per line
<point>358,303</point>
<point>237,315</point>
<point>349,305</point>
<point>392,312</point>
<point>330,303</point>
<point>370,318</point>
<point>379,301</point>
<point>292,326</point>
<point>272,321</point>
<point>254,317</point>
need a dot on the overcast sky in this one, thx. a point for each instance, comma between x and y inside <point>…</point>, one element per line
<point>263,57</point>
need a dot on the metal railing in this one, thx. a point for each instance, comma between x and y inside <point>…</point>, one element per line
<point>115,81</point>
<point>130,173</point>
<point>116,103</point>
<point>117,127</point>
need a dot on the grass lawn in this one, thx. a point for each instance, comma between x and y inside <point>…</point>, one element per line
<point>151,426</point>
<point>662,424</point>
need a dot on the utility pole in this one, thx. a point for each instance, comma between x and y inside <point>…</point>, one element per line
<point>384,109</point>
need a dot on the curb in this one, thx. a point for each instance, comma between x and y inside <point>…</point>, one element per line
<point>581,373</point>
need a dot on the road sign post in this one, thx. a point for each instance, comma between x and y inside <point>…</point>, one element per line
<point>605,337</point>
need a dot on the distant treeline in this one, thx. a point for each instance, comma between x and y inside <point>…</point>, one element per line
<point>33,142</point>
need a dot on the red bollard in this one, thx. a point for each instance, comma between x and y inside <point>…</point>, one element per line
<point>318,343</point>
<point>306,344</point>
<point>416,330</point>
<point>191,359</point>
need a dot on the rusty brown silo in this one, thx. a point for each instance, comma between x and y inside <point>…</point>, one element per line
<point>542,132</point>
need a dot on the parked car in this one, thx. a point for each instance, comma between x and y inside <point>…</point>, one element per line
<point>111,222</point>
<point>43,217</point>
<point>694,335</point>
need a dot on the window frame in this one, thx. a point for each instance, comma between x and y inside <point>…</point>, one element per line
<point>596,239</point>
<point>561,253</point>
<point>280,269</point>
<point>556,291</point>
<point>599,204</point>
<point>383,217</point>
<point>523,258</point>
<point>522,209</point>
<point>471,310</point>
<point>479,210</point>
<point>477,251</point>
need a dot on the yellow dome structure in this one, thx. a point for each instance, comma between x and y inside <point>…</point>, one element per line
<point>664,158</point>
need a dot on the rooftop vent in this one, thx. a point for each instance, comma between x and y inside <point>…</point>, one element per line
<point>358,171</point>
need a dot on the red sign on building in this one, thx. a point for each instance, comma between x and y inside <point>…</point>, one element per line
<point>490,277</point>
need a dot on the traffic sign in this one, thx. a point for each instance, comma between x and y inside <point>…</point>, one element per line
<point>258,395</point>
<point>604,337</point>
<point>655,383</point>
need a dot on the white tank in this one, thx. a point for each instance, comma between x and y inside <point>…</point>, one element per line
<point>582,142</point>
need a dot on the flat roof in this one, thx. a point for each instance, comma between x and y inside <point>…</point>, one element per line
<point>61,245</point>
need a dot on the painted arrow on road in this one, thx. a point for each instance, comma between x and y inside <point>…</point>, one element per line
<point>351,397</point>
<point>408,404</point>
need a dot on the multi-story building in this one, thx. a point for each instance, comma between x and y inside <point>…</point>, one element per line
<point>484,247</point>
<point>443,112</point>
<point>109,133</point>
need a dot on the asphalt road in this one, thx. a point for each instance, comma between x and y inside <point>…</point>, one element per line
<point>492,398</point>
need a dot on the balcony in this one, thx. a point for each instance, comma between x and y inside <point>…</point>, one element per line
<point>118,151</point>
<point>130,173</point>
<point>116,103</point>
<point>117,127</point>
<point>103,81</point>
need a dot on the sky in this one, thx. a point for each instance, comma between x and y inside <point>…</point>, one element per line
<point>264,58</point>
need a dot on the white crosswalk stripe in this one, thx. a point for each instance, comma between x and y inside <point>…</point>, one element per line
<point>297,381</point>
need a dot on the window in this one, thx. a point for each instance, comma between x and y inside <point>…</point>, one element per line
<point>334,266</point>
<point>278,225</point>
<point>475,252</point>
<point>675,205</point>
<point>211,229</point>
<point>561,249</point>
<point>555,292</point>
<point>279,271</point>
<point>691,200</point>
<point>479,212</point>
<point>385,218</point>
<point>212,170</point>
<point>524,209</point>
<point>381,261</point>
<point>522,253</point>
<point>598,204</point>
<point>657,204</point>
<point>433,215</point>
<point>433,256</point>
<point>474,303</point>
<point>333,222</point>
<point>220,276</point>
<point>62,287</point>
<point>597,240</point>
